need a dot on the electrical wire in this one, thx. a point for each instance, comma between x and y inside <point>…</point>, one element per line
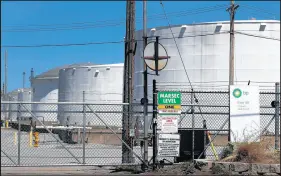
<point>103,21</point>
<point>94,43</point>
<point>257,14</point>
<point>119,42</point>
<point>113,22</point>
<point>260,10</point>
<point>196,100</point>
<point>258,36</point>
<point>206,9</point>
<point>60,45</point>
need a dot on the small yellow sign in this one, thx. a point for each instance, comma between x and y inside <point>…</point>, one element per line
<point>169,106</point>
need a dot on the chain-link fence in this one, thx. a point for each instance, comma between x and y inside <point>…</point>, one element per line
<point>67,133</point>
<point>91,134</point>
<point>213,108</point>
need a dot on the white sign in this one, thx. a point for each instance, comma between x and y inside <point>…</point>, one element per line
<point>168,123</point>
<point>169,145</point>
<point>244,113</point>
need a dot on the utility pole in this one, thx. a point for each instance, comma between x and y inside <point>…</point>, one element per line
<point>31,77</point>
<point>145,108</point>
<point>231,10</point>
<point>23,80</point>
<point>2,91</point>
<point>6,76</point>
<point>127,127</point>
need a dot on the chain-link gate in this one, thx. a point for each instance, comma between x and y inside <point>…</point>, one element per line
<point>65,134</point>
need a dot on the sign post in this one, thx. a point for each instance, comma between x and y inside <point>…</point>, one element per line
<point>156,58</point>
<point>169,109</point>
<point>244,113</point>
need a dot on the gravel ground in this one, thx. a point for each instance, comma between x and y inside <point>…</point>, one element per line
<point>92,170</point>
<point>52,153</point>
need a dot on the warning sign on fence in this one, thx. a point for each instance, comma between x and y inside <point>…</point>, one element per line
<point>168,123</point>
<point>169,145</point>
<point>169,102</point>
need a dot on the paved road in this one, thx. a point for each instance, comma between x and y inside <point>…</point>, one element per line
<point>53,153</point>
<point>81,170</point>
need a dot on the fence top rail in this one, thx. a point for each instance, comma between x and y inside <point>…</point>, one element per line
<point>66,103</point>
<point>212,82</point>
<point>208,91</point>
<point>189,91</point>
<point>81,103</point>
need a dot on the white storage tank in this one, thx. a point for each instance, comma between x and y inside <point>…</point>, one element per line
<point>205,49</point>
<point>25,95</point>
<point>45,90</point>
<point>12,108</point>
<point>3,114</point>
<point>101,83</point>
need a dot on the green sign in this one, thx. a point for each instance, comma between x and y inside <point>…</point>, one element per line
<point>169,98</point>
<point>237,93</point>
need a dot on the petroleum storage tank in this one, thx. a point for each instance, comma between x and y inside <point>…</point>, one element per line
<point>3,113</point>
<point>25,95</point>
<point>12,108</point>
<point>45,90</point>
<point>205,49</point>
<point>102,84</point>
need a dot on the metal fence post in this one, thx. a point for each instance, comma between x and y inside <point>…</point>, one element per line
<point>277,106</point>
<point>154,124</point>
<point>19,133</point>
<point>193,124</point>
<point>9,111</point>
<point>145,156</point>
<point>229,129</point>
<point>84,127</point>
<point>205,133</point>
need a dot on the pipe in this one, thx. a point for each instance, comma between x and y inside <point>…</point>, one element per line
<point>23,80</point>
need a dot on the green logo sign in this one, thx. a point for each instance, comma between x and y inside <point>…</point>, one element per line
<point>237,93</point>
<point>169,98</point>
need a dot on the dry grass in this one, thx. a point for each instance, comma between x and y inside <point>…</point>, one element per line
<point>256,152</point>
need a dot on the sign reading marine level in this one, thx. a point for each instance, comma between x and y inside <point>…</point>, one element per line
<point>169,102</point>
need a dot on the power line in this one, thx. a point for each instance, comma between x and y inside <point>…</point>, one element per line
<point>114,20</point>
<point>108,23</point>
<point>60,45</point>
<point>175,43</point>
<point>258,36</point>
<point>118,42</point>
<point>194,96</point>
<point>260,10</point>
<point>96,43</point>
<point>266,16</point>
